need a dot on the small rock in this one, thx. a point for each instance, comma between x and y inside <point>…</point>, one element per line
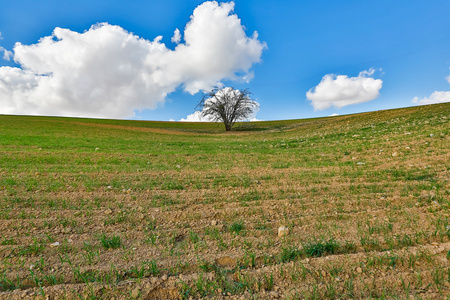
<point>164,278</point>
<point>273,294</point>
<point>359,270</point>
<point>108,212</point>
<point>55,244</point>
<point>226,262</point>
<point>395,154</point>
<point>213,223</point>
<point>283,231</point>
<point>135,293</point>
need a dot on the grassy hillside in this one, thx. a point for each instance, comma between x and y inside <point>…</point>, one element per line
<point>133,209</point>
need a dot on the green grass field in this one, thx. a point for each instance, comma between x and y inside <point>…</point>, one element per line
<point>96,209</point>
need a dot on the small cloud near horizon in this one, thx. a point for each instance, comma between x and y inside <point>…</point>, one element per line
<point>435,98</point>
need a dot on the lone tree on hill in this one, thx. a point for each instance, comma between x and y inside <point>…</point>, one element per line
<point>227,105</point>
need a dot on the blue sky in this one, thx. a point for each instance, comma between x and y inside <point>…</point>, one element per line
<point>397,50</point>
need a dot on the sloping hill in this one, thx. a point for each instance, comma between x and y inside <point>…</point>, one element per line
<point>133,209</point>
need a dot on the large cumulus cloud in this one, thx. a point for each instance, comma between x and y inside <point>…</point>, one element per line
<point>109,72</point>
<point>341,90</point>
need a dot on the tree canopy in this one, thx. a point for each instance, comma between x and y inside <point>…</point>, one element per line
<point>228,105</point>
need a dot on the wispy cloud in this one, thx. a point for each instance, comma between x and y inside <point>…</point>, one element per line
<point>435,97</point>
<point>176,38</point>
<point>6,54</point>
<point>109,72</point>
<point>341,90</point>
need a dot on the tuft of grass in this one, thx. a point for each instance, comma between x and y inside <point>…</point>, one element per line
<point>112,242</point>
<point>237,227</point>
<point>289,254</point>
<point>320,248</point>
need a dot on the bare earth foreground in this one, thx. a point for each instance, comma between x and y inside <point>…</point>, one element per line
<point>108,209</point>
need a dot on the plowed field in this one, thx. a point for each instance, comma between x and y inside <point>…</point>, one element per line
<point>107,209</point>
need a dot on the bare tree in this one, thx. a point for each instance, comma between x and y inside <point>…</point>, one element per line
<point>227,105</point>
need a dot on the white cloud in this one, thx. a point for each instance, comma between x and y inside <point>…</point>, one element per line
<point>435,97</point>
<point>176,36</point>
<point>341,90</point>
<point>6,54</point>
<point>334,115</point>
<point>109,72</point>
<point>196,117</point>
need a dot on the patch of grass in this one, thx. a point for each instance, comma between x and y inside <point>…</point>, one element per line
<point>7,241</point>
<point>237,227</point>
<point>290,254</point>
<point>315,248</point>
<point>110,242</point>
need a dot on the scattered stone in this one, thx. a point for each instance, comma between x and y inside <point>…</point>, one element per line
<point>135,293</point>
<point>213,223</point>
<point>395,154</point>
<point>226,262</point>
<point>273,294</point>
<point>55,244</point>
<point>283,231</point>
<point>164,278</point>
<point>359,270</point>
<point>108,212</point>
